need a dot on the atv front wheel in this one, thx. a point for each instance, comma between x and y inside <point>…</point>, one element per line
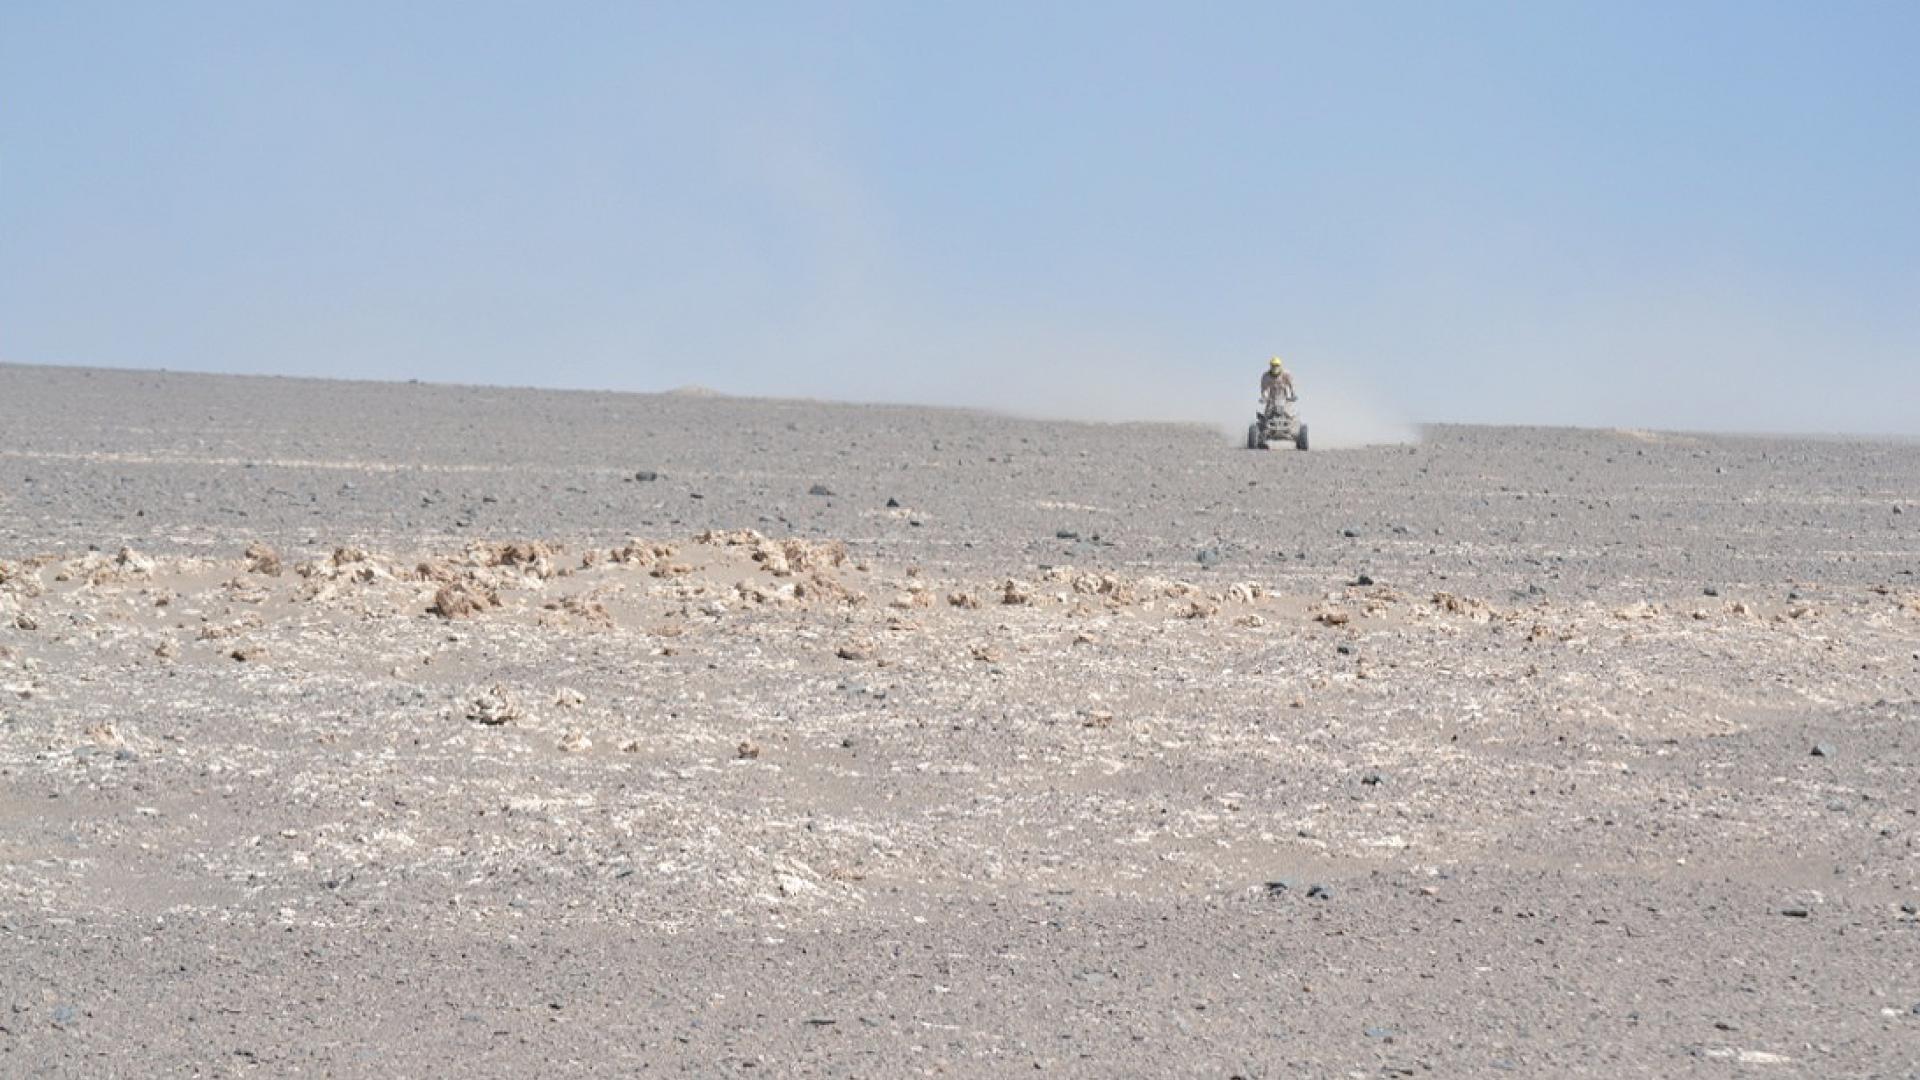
<point>1254,440</point>
<point>1300,438</point>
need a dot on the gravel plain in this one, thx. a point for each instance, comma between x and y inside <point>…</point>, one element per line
<point>357,729</point>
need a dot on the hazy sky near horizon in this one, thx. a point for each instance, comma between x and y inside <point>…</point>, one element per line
<point>1698,215</point>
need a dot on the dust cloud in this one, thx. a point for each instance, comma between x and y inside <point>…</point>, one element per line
<point>1343,416</point>
<point>1341,410</point>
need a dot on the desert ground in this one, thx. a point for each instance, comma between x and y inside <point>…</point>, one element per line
<point>358,729</point>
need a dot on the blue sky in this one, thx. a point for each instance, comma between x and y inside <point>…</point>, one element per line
<point>1695,215</point>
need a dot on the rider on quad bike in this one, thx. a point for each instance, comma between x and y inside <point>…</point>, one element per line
<point>1276,422</point>
<point>1276,385</point>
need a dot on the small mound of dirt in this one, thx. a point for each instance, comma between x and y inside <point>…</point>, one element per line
<point>641,552</point>
<point>811,556</point>
<point>461,600</point>
<point>530,557</point>
<point>262,559</point>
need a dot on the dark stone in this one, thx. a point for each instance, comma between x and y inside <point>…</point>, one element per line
<point>893,504</point>
<point>646,476</point>
<point>1319,892</point>
<point>1710,591</point>
<point>1363,580</point>
<point>1821,749</point>
<point>1278,886</point>
<point>820,489</point>
<point>1349,534</point>
<point>1065,534</point>
<point>1372,779</point>
<point>1795,912</point>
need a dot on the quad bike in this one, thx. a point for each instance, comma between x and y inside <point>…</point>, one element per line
<point>1276,424</point>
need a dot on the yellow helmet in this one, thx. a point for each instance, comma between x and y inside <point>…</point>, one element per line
<point>1275,364</point>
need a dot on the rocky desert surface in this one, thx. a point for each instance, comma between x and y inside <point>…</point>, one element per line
<point>399,730</point>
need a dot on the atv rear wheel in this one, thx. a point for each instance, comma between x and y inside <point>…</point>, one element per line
<point>1254,439</point>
